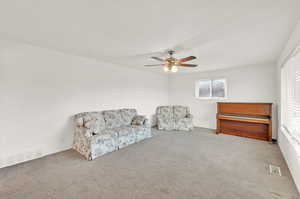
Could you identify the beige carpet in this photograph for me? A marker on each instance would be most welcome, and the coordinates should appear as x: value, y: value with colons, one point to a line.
x: 173, y: 165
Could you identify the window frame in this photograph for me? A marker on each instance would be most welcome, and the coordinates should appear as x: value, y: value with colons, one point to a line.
x: 284, y: 99
x: 211, y: 83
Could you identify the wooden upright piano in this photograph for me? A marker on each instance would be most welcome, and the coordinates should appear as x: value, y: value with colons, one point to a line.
x: 252, y: 120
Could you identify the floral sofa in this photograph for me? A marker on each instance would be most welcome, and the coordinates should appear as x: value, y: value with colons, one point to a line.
x: 174, y: 118
x: 97, y: 133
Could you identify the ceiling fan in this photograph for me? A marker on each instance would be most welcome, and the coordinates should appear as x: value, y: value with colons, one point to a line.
x: 171, y: 63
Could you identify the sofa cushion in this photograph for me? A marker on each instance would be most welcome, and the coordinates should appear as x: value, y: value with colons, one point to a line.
x: 141, y: 132
x: 113, y: 119
x: 94, y: 126
x: 127, y: 115
x: 124, y: 131
x: 98, y: 138
x: 180, y: 112
x: 126, y: 136
x: 101, y: 144
x: 112, y: 132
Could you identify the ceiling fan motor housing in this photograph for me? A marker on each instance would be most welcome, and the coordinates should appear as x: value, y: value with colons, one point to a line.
x: 171, y: 52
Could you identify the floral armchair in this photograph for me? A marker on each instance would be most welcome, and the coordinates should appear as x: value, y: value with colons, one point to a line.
x: 174, y: 118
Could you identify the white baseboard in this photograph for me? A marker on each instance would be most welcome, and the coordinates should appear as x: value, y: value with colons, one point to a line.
x: 29, y: 155
x: 291, y: 155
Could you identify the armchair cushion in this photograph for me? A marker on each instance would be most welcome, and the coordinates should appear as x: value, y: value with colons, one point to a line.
x: 184, y: 124
x: 165, y: 112
x: 165, y: 123
x: 165, y: 120
x: 180, y: 112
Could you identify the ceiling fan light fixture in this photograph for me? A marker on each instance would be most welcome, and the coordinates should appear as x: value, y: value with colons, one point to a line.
x: 174, y: 69
x: 166, y: 69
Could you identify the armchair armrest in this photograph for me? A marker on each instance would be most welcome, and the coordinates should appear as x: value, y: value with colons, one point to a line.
x: 185, y: 124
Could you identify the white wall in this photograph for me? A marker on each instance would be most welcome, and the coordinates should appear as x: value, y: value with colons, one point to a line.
x: 41, y: 89
x: 245, y: 84
x: 288, y: 148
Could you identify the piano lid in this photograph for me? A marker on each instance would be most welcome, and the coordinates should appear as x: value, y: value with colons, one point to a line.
x: 247, y: 109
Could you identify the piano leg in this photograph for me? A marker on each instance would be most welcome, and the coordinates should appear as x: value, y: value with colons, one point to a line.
x: 218, y: 126
x: 270, y: 131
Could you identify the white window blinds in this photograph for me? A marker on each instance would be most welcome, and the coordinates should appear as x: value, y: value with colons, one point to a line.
x: 290, y: 96
x: 211, y: 89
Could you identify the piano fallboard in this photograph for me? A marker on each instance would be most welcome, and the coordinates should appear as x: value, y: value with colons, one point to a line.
x: 244, y: 118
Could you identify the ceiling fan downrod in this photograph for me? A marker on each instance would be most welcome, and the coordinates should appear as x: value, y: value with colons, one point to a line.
x: 171, y: 52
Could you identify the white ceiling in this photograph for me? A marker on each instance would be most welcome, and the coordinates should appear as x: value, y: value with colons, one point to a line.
x: 221, y: 34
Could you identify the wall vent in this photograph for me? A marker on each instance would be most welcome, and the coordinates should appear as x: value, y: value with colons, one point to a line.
x: 274, y: 170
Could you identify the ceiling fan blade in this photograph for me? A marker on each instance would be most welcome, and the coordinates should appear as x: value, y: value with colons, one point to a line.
x: 187, y: 65
x: 158, y: 59
x: 154, y: 65
x: 187, y: 59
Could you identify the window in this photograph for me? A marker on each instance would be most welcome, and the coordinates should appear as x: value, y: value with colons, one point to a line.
x: 211, y: 89
x: 290, y: 96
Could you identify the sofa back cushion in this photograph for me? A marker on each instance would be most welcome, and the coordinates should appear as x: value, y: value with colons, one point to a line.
x: 180, y: 112
x: 91, y: 120
x: 113, y: 119
x: 127, y: 115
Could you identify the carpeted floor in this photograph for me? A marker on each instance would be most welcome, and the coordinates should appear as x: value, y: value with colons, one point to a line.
x: 171, y: 165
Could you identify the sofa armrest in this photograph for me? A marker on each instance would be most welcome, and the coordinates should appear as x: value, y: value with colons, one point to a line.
x: 147, y: 123
x: 85, y: 132
x: 140, y: 120
x: 82, y: 141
